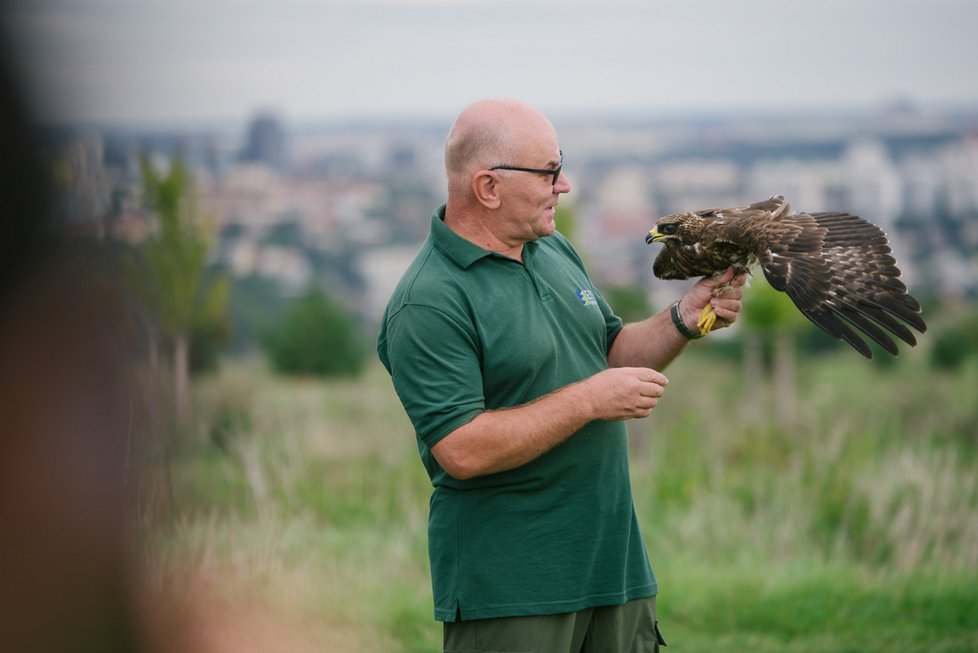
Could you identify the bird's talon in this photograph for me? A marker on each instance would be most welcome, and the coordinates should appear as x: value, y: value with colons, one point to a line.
x: 707, y: 319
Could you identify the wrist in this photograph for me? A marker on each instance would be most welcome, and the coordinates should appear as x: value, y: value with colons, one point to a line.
x: 580, y: 401
x: 680, y: 323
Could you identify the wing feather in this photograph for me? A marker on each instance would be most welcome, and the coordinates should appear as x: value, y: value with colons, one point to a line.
x: 875, y: 312
x: 664, y: 266
x: 856, y: 317
x: 838, y: 270
x: 827, y: 320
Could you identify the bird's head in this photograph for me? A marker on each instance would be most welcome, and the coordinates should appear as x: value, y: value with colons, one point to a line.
x: 672, y: 227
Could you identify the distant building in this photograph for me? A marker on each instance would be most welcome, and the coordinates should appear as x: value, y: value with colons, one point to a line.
x: 381, y: 269
x: 84, y: 186
x: 359, y: 196
x: 265, y: 142
x: 874, y: 189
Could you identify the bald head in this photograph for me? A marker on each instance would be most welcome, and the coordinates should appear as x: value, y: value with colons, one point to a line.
x: 487, y: 133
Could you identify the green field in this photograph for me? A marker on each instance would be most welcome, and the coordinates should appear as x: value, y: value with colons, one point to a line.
x: 851, y: 525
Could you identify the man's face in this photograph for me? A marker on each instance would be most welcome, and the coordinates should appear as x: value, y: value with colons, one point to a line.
x: 530, y: 198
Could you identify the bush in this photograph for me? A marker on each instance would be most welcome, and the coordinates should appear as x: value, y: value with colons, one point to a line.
x: 206, y: 341
x: 956, y: 342
x: 629, y: 302
x: 315, y: 336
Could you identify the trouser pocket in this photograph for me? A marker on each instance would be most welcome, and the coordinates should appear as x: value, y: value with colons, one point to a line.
x: 659, y: 639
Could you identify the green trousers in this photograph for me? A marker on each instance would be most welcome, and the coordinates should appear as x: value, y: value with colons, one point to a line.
x: 628, y: 628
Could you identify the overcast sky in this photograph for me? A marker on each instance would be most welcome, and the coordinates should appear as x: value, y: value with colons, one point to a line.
x: 177, y: 61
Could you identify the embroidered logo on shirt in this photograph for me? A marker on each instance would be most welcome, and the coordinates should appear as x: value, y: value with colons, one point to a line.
x: 586, y: 297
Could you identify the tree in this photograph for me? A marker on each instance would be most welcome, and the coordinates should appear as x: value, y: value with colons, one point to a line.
x: 315, y: 336
x: 568, y: 223
x: 630, y: 303
x: 770, y: 316
x: 169, y: 275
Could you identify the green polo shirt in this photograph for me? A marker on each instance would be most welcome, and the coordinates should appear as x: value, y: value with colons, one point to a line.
x: 468, y: 330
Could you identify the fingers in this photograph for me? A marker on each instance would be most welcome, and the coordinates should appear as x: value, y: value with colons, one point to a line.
x: 652, y: 385
x: 641, y: 407
x: 739, y: 281
x: 729, y: 279
x: 629, y: 392
x: 649, y: 375
x: 730, y: 292
x: 653, y: 390
x: 731, y: 303
x: 648, y: 382
x: 727, y: 304
x: 702, y: 291
x: 726, y: 312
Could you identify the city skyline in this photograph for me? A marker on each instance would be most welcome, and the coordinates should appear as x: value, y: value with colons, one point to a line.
x: 177, y: 62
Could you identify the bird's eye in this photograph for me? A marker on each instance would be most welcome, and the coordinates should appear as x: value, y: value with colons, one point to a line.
x: 668, y: 229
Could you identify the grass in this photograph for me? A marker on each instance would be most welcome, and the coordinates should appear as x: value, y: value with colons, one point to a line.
x: 851, y: 527
x: 821, y: 607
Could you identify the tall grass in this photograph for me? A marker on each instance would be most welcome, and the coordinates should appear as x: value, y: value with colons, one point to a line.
x: 853, y: 528
x: 878, y: 468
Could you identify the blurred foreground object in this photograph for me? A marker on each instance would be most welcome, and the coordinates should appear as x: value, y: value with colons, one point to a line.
x: 835, y: 267
x: 65, y: 420
x: 63, y: 466
x: 75, y: 418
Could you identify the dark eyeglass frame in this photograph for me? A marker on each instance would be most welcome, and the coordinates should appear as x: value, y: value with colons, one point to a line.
x: 555, y: 171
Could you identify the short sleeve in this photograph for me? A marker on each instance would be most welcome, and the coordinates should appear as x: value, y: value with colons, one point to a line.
x: 612, y: 322
x: 435, y: 367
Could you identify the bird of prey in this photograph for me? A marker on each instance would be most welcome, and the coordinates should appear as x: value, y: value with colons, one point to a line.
x: 837, y: 268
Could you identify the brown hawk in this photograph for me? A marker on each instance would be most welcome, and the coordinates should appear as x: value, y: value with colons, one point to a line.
x: 836, y: 267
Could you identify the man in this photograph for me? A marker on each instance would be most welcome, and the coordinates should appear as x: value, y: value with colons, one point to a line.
x: 517, y: 375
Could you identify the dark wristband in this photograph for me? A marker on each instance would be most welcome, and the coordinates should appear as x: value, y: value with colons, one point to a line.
x: 681, y: 326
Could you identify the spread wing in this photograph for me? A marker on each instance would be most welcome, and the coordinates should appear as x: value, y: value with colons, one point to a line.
x: 838, y: 270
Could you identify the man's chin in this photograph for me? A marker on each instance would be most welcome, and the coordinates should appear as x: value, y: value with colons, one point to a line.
x: 547, y: 228
x: 550, y: 221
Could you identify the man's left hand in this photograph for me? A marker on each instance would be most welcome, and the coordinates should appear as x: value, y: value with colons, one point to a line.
x: 726, y: 304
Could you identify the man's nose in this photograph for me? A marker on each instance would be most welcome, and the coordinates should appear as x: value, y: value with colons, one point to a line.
x: 562, y: 185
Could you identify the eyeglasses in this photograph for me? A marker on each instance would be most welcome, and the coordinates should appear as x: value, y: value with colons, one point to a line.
x: 555, y: 172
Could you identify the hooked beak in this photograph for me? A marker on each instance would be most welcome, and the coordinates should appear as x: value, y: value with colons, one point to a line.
x: 654, y: 237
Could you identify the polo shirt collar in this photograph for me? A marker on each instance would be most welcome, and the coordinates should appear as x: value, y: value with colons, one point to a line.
x: 460, y: 251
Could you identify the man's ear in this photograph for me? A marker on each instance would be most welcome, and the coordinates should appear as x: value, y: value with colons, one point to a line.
x: 486, y: 189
